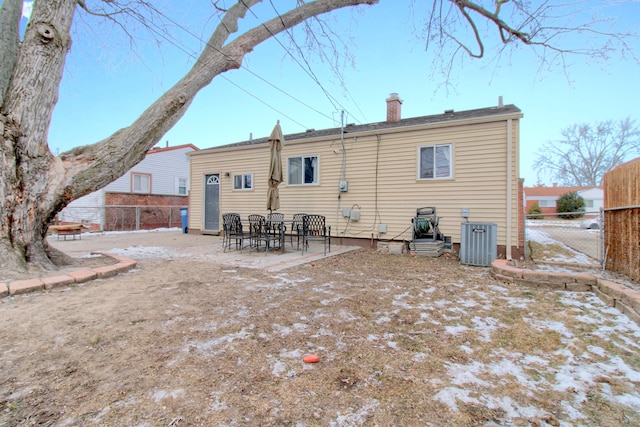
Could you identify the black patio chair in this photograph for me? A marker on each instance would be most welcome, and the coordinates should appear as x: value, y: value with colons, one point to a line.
x: 256, y: 229
x: 275, y: 216
x: 232, y: 231
x: 296, y: 229
x: 314, y: 229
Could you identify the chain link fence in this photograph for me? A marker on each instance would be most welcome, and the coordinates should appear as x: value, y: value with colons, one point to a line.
x: 579, y: 240
x: 123, y: 217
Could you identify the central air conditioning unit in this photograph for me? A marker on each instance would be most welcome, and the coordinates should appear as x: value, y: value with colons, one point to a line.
x: 478, y: 243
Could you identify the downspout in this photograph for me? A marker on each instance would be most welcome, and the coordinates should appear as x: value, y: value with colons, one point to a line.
x: 509, y: 184
x: 344, y: 169
x: 344, y: 152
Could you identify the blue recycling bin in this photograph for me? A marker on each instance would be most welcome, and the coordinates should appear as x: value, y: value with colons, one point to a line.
x: 184, y: 215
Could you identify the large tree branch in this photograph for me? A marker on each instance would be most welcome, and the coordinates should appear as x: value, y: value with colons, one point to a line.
x: 455, y: 27
x: 91, y: 167
x: 494, y: 17
x: 461, y: 6
x: 229, y: 23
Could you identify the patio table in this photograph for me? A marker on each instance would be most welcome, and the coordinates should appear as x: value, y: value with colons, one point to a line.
x: 279, y: 225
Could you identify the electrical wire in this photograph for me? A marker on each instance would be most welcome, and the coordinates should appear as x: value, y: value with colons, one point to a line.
x: 198, y: 38
x: 306, y: 69
x: 335, y: 69
x: 155, y: 29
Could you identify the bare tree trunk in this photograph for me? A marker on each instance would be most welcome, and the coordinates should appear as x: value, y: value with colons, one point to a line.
x: 35, y: 185
x: 29, y: 171
x: 10, y: 14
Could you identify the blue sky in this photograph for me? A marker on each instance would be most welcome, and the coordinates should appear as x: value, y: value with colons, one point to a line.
x: 107, y: 85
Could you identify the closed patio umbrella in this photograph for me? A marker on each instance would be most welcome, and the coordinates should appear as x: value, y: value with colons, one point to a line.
x: 276, y: 141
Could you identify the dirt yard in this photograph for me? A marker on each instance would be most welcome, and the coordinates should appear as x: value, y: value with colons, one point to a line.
x: 195, y: 337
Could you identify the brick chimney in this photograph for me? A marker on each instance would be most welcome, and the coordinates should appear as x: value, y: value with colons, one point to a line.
x: 394, y: 105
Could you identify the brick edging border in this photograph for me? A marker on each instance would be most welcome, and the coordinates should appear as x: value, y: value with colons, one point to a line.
x: 614, y: 294
x: 18, y: 287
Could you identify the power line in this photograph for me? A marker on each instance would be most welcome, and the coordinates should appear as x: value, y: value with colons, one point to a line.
x: 197, y: 37
x: 195, y: 56
x: 335, y: 69
x: 265, y: 103
x: 307, y: 69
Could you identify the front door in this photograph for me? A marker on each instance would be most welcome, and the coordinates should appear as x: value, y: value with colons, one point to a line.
x: 212, y: 202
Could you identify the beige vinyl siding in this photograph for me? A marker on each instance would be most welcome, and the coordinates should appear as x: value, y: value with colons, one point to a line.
x: 311, y: 198
x: 479, y: 180
x: 196, y: 178
x: 247, y: 160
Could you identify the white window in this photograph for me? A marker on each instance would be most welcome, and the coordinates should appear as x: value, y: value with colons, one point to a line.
x: 181, y: 186
x: 140, y: 183
x: 302, y: 170
x: 588, y: 203
x: 435, y: 161
x: 545, y: 203
x: 243, y: 181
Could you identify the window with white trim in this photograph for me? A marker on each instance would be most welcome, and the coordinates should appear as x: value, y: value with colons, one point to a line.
x: 181, y: 184
x: 302, y: 170
x: 140, y: 183
x: 546, y: 203
x: 435, y: 161
x: 243, y: 181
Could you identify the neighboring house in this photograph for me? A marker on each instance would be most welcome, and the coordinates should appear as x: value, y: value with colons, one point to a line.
x: 159, y: 183
x: 547, y: 197
x: 369, y: 180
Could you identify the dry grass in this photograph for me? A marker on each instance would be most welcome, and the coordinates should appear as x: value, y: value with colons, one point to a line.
x: 401, y: 340
x: 541, y: 251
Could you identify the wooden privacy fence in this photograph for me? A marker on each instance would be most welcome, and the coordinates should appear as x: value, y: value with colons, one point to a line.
x: 622, y: 219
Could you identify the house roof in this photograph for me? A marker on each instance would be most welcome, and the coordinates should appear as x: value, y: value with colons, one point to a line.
x: 552, y: 191
x: 447, y: 116
x: 175, y: 147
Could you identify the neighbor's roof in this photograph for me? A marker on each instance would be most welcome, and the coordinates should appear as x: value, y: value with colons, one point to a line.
x: 447, y: 116
x: 175, y: 147
x: 552, y: 191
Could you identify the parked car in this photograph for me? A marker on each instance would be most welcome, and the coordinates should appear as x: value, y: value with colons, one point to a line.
x: 594, y: 223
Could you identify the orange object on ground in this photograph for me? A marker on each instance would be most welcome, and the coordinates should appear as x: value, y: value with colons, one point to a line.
x: 312, y: 358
